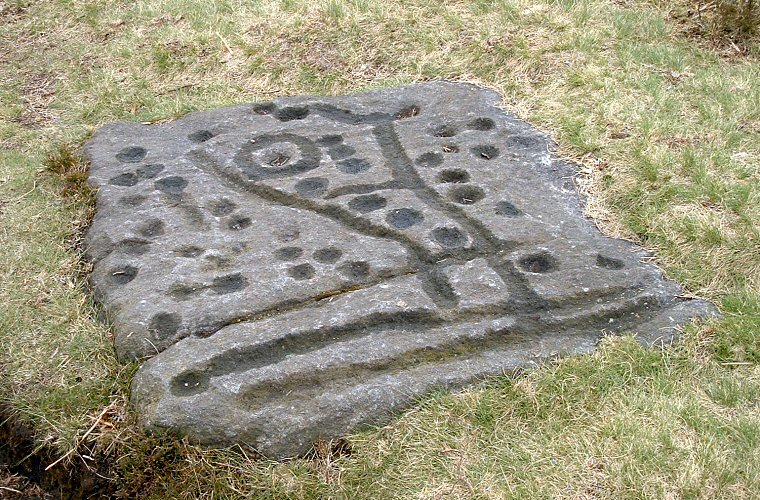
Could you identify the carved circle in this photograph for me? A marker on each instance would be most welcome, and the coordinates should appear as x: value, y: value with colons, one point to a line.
x: 481, y: 124
x: 353, y: 165
x: 341, y: 151
x: 126, y: 180
x: 255, y: 168
x: 609, y: 262
x: 485, y: 151
x: 454, y: 175
x: 356, y: 270
x: 429, y: 160
x: 445, y: 130
x: 131, y: 154
x: 173, y: 184
x: 165, y: 325
x: 123, y: 274
x: 239, y: 222
x: 539, y: 263
x: 449, y: 237
x: 222, y: 285
x: 302, y: 272
x: 507, y: 209
x: 466, y: 195
x: 291, y: 113
x: 200, y: 136
x: 189, y: 251
x: 263, y: 108
x: 221, y: 207
x: 288, y: 253
x: 313, y: 187
x: 408, y: 112
x: 328, y: 255
x: 403, y: 218
x: 367, y: 203
x: 151, y: 228
x: 133, y: 246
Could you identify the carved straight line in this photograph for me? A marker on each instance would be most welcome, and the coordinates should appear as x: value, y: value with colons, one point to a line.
x: 308, y: 384
x: 341, y: 115
x: 197, y: 380
x: 434, y: 283
x: 293, y: 305
x: 420, y: 257
x: 492, y: 246
x: 275, y: 350
x: 302, y: 385
x: 363, y: 189
x: 333, y: 212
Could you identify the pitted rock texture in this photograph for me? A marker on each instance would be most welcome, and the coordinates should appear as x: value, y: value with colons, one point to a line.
x: 302, y: 267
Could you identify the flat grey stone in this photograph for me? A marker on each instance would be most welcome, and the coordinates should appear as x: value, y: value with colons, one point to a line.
x: 303, y: 267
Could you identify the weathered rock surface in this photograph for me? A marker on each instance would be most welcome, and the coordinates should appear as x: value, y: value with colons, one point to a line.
x: 303, y: 267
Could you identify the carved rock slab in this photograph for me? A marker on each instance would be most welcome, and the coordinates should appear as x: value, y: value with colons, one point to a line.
x: 301, y: 267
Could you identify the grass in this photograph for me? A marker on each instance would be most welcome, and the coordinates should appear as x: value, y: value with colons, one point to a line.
x: 666, y: 132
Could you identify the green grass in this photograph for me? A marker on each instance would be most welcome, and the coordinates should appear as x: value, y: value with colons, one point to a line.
x: 666, y: 131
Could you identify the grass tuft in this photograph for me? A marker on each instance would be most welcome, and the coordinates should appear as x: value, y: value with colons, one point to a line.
x: 733, y: 26
x: 71, y: 169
